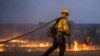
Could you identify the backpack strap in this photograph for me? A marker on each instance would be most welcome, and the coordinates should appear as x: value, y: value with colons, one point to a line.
x: 57, y: 20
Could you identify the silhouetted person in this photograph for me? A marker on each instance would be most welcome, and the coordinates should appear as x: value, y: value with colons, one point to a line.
x: 60, y: 29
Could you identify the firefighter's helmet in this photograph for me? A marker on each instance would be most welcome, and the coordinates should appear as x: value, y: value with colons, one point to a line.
x: 65, y: 11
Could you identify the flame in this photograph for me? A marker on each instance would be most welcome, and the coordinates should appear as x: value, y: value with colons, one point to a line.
x: 44, y: 44
x: 40, y: 46
x: 2, y: 49
x: 76, y: 46
x: 36, y: 44
x: 18, y: 41
x: 82, y: 47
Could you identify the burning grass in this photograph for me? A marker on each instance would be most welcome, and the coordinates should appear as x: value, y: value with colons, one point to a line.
x: 41, y: 46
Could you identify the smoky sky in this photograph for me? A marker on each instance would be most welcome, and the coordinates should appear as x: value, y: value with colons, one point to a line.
x: 34, y: 11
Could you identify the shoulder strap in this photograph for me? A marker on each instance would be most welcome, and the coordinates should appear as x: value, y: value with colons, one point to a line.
x: 58, y: 20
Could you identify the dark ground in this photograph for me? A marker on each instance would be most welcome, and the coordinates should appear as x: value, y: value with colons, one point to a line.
x: 82, y: 53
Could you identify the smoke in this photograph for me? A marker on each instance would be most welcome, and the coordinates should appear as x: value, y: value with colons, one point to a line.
x: 31, y: 11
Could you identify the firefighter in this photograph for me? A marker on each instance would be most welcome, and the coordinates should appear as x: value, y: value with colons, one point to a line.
x: 62, y: 28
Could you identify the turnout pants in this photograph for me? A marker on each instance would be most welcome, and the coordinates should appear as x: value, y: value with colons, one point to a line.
x: 58, y: 42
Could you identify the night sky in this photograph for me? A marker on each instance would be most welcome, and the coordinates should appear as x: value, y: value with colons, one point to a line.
x: 34, y: 11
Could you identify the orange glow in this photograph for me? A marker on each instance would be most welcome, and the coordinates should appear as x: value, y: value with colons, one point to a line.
x: 82, y: 47
x: 76, y: 46
x: 19, y: 41
x: 29, y: 50
x: 2, y: 48
x: 41, y: 46
x: 36, y: 44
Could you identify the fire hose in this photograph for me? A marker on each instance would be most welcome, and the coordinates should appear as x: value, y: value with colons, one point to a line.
x: 28, y: 32
x: 33, y: 30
